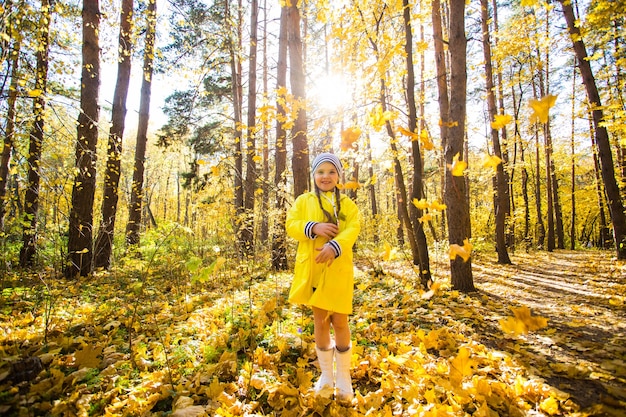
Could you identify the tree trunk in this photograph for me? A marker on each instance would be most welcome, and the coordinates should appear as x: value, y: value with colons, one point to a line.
x: 137, y: 191
x: 300, y: 161
x: 265, y: 196
x: 31, y: 199
x: 279, y: 247
x: 247, y: 231
x: 418, y: 168
x: 572, y: 229
x: 616, y: 205
x: 371, y: 188
x: 237, y: 97
x: 9, y: 130
x: 79, y: 245
x: 455, y: 193
x: 502, y: 199
x: 104, y: 242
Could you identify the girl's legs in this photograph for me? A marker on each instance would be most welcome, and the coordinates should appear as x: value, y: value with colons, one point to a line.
x: 342, y: 331
x: 321, y: 321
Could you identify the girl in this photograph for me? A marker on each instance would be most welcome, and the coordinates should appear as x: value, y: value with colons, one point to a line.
x: 326, y: 225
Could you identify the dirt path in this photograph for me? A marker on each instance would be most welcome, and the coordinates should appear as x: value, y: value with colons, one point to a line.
x: 583, y: 351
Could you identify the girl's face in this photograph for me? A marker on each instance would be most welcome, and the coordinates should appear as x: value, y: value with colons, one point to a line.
x: 326, y: 176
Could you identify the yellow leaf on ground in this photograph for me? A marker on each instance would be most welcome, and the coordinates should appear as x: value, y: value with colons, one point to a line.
x: 460, y: 367
x: 87, y: 357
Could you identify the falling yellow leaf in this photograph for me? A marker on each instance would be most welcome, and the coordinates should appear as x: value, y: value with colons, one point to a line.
x: 436, y: 205
x: 420, y: 204
x: 458, y: 167
x: 406, y: 132
x: 523, y: 322
x: 500, y: 121
x: 492, y: 161
x: 427, y: 143
x: 389, y: 252
x: 257, y: 158
x: 348, y: 137
x: 377, y: 118
x: 350, y: 185
x: 448, y: 124
x: 529, y: 3
x: 464, y: 251
x: 541, y: 108
x: 425, y: 218
x: 35, y: 93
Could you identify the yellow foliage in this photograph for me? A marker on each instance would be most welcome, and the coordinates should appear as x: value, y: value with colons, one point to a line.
x: 420, y: 204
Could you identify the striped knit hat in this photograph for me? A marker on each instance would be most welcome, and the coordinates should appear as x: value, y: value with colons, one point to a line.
x: 327, y: 157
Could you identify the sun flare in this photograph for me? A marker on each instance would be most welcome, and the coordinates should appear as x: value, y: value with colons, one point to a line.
x: 330, y: 92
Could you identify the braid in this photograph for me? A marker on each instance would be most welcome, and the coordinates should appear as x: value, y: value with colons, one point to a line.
x: 338, y: 198
x: 329, y: 216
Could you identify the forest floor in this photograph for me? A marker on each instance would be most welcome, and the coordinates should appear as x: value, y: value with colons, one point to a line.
x: 543, y: 336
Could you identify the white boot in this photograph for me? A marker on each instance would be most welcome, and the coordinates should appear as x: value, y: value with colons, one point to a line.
x: 325, y: 384
x: 343, y: 383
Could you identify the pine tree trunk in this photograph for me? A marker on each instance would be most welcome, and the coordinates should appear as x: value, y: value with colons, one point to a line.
x: 31, y: 198
x: 616, y: 205
x: 104, y: 242
x: 502, y: 199
x: 455, y: 193
x: 247, y: 231
x: 9, y: 129
x: 279, y: 245
x: 300, y: 161
x: 237, y: 97
x: 137, y: 191
x: 418, y: 169
x: 79, y: 247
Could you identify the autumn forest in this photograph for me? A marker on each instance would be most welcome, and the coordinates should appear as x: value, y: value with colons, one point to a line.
x: 151, y: 150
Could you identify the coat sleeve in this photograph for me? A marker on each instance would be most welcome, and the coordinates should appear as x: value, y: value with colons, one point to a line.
x: 297, y: 224
x: 348, y: 234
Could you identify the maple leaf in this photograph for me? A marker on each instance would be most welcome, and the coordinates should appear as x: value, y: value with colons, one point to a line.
x: 500, y: 121
x: 425, y: 218
x: 464, y: 251
x: 389, y: 253
x: 529, y: 3
x: 492, y: 161
x: 348, y: 137
x: 420, y: 204
x: 541, y: 108
x: 349, y: 185
x: 458, y: 167
x: 406, y: 132
x: 436, y: 205
x: 460, y: 367
x: 523, y: 322
x: 87, y: 357
x: 426, y: 141
x: 377, y: 118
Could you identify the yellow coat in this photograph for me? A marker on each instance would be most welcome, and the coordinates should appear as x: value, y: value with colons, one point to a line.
x: 333, y: 284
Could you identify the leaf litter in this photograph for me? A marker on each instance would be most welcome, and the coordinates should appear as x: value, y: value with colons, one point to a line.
x: 544, y: 336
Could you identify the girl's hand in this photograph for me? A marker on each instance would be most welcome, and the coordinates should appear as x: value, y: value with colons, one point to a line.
x: 327, y: 230
x: 326, y: 254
